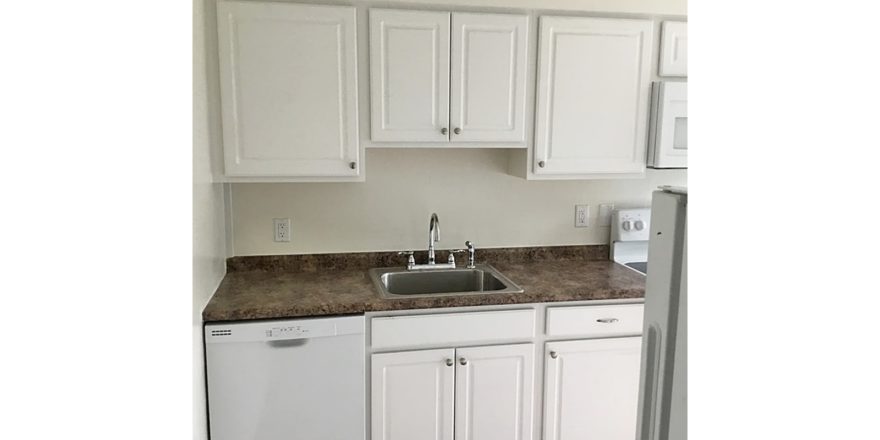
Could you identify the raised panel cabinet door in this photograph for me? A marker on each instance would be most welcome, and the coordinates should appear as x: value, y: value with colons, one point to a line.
x: 288, y: 83
x: 673, y: 48
x: 592, y: 97
x: 412, y: 395
x: 409, y: 75
x: 488, y: 77
x: 494, y: 392
x: 591, y: 389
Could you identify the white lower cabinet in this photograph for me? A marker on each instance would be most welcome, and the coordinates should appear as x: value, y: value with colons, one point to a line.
x: 591, y: 389
x: 487, y: 391
x: 494, y: 392
x: 412, y: 395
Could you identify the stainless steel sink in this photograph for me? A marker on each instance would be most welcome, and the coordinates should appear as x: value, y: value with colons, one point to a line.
x: 397, y: 282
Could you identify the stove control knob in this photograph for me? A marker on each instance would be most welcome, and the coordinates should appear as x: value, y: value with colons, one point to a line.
x: 639, y: 225
x: 627, y: 225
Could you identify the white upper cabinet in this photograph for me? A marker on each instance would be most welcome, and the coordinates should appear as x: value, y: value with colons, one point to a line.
x: 591, y: 389
x: 447, y: 77
x: 488, y: 77
x: 592, y: 97
x: 668, y: 143
x: 412, y: 395
x: 288, y: 79
x: 494, y: 392
x: 409, y: 75
x: 673, y: 48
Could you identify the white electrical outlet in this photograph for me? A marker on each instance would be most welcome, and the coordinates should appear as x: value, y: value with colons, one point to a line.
x: 581, y: 216
x: 282, y: 229
x: 605, y: 210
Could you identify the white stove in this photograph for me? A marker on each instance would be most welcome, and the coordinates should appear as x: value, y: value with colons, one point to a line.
x: 630, y: 233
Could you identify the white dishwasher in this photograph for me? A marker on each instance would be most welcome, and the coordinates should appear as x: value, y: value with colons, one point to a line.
x: 292, y: 379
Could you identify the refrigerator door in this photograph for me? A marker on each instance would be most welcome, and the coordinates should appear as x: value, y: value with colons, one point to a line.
x: 663, y: 389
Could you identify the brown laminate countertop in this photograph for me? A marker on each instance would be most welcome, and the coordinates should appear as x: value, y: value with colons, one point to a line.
x: 263, y: 294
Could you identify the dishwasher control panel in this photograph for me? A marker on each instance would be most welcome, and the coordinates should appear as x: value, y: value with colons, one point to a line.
x: 282, y: 330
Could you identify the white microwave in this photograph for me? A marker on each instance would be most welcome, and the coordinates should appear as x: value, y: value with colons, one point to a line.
x: 667, y: 140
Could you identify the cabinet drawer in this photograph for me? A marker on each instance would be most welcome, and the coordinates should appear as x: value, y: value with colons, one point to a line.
x: 449, y: 329
x: 595, y: 321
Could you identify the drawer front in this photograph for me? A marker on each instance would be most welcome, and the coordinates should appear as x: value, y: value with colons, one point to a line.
x: 451, y: 329
x: 595, y: 321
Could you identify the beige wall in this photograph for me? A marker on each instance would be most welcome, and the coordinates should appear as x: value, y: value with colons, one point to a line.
x: 209, y: 214
x: 471, y: 191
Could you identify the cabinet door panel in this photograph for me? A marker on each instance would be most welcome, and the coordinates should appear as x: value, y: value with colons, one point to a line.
x: 591, y: 389
x: 673, y: 49
x: 488, y: 77
x: 494, y: 392
x: 412, y: 395
x: 593, y: 93
x: 409, y: 69
x: 288, y: 87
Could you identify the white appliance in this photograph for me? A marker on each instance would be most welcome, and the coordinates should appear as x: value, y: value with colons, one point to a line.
x: 298, y: 379
x: 630, y: 229
x: 663, y: 389
x: 667, y: 139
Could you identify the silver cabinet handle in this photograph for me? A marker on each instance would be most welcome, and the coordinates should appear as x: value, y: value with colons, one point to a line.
x: 541, y: 164
x: 554, y: 355
x: 607, y: 320
x: 449, y: 362
x: 457, y: 130
x: 462, y: 361
x: 443, y: 131
x: 353, y: 165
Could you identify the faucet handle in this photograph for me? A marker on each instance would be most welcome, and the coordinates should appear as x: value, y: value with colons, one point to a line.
x: 451, y: 258
x: 471, y: 257
x: 410, y: 261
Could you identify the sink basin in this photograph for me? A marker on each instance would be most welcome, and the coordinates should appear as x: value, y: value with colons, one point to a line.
x: 396, y: 282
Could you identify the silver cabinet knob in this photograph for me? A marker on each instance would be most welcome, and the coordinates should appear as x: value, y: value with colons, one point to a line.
x: 462, y: 361
x: 541, y: 164
x: 353, y: 165
x: 449, y: 362
x: 457, y: 130
x: 554, y: 355
x: 443, y: 130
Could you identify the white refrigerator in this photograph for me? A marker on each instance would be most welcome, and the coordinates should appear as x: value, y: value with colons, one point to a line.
x: 663, y: 388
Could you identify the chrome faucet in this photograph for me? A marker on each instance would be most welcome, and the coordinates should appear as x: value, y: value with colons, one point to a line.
x: 433, y: 237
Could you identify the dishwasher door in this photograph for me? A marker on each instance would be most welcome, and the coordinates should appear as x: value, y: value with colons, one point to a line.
x: 291, y: 380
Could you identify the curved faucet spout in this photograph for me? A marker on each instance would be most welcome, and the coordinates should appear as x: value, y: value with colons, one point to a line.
x: 433, y: 236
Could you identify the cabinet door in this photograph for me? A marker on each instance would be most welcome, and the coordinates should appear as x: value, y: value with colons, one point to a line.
x: 289, y: 89
x: 409, y: 75
x: 591, y: 389
x: 494, y: 392
x: 593, y: 93
x: 673, y: 49
x: 488, y: 77
x: 412, y: 395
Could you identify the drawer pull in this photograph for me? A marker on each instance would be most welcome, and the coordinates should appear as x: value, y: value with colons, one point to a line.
x: 449, y: 362
x: 462, y: 361
x: 607, y: 320
x: 553, y: 354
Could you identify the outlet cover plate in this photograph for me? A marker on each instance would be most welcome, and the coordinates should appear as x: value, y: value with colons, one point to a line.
x: 282, y: 229
x: 581, y: 216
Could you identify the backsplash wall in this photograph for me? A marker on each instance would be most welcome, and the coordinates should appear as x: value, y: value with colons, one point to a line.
x: 470, y: 190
